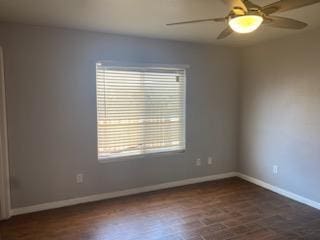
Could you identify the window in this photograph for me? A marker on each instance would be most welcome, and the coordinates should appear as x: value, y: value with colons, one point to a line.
x: 140, y: 110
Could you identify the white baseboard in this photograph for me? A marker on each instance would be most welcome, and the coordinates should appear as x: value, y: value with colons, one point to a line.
x: 280, y: 191
x: 97, y: 197
x: 103, y: 196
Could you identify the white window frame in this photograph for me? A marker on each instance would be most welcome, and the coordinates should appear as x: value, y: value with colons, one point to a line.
x: 151, y: 66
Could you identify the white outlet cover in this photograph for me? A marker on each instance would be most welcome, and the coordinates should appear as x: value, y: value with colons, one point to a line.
x: 275, y: 169
x: 210, y: 160
x: 79, y: 178
x: 198, y: 162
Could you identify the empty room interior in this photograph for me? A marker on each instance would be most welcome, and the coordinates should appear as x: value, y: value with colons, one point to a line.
x: 160, y: 120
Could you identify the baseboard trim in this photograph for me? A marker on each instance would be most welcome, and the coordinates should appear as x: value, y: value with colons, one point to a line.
x: 104, y: 196
x: 98, y: 197
x: 280, y: 191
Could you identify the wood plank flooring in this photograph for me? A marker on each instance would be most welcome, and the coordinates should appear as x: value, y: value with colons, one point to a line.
x: 219, y: 210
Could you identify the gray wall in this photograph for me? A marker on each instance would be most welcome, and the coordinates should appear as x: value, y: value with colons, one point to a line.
x: 50, y: 84
x: 280, y: 113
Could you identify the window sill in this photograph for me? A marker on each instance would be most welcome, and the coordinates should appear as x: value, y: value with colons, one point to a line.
x: 141, y: 156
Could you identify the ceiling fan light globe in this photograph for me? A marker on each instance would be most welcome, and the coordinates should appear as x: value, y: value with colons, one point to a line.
x: 246, y: 23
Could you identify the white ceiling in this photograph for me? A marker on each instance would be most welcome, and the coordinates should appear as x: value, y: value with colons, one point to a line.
x: 146, y: 18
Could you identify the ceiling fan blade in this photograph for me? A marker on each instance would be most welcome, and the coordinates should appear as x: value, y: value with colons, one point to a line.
x: 222, y: 19
x: 281, y: 22
x: 198, y: 21
x: 225, y: 33
x: 234, y: 4
x: 285, y: 5
x: 250, y: 4
x: 270, y: 10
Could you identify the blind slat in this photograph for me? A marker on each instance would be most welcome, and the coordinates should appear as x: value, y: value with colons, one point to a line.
x: 139, y: 110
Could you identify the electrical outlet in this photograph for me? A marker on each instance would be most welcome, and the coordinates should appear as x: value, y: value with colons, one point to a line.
x: 210, y: 161
x: 198, y: 162
x: 79, y: 178
x: 275, y: 169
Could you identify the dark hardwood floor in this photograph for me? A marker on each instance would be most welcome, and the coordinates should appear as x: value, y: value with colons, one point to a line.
x: 219, y: 210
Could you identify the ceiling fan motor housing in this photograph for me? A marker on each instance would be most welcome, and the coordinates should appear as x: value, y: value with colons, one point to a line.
x: 238, y: 11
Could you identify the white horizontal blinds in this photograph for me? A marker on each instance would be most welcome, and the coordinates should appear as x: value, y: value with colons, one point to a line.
x: 140, y: 110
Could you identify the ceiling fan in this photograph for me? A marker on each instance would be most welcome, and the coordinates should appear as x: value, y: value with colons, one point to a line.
x: 246, y: 16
